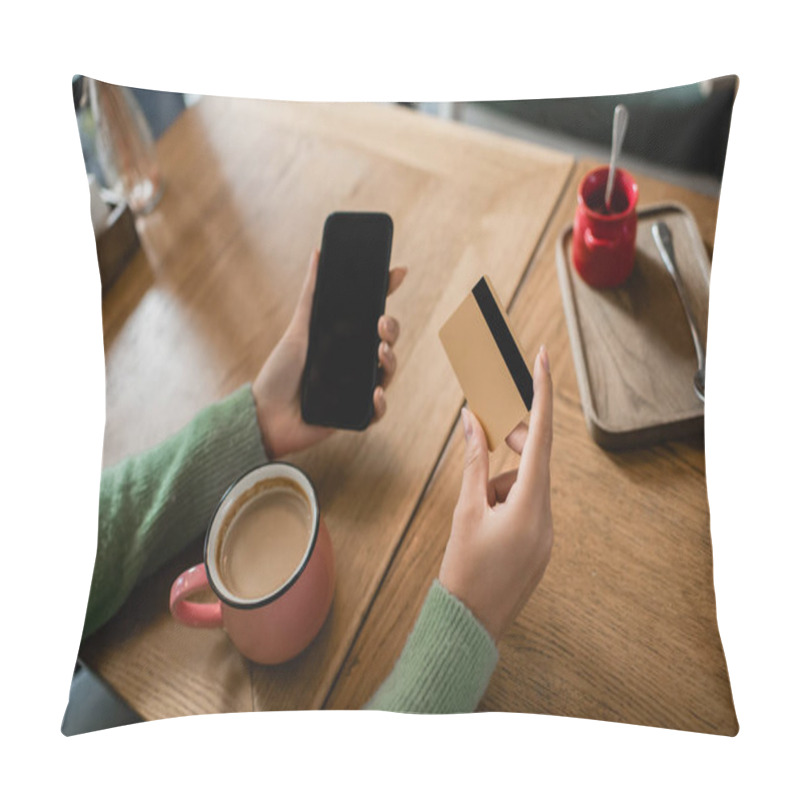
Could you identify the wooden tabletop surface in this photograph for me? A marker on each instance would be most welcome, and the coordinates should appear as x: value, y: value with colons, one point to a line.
x: 623, y: 625
x: 194, y: 315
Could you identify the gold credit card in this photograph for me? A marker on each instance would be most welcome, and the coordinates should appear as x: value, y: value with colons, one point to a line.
x: 488, y: 362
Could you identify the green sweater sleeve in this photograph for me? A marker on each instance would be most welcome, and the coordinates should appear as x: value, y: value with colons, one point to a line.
x: 153, y: 504
x: 446, y: 663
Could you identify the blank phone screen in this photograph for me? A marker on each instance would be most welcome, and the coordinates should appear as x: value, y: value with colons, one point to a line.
x: 342, y: 362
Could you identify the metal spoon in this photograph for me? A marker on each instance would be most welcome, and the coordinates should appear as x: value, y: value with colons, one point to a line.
x: 663, y: 239
x: 617, y: 137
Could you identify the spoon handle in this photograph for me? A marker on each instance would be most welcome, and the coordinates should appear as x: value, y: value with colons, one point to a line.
x: 617, y: 136
x: 663, y: 239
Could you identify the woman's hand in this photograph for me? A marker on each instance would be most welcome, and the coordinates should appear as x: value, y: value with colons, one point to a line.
x: 502, y: 529
x: 276, y: 389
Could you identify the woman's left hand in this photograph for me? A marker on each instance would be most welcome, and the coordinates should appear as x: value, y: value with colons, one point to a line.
x: 276, y: 389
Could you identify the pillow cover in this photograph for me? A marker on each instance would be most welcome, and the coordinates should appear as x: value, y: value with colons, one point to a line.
x: 204, y: 226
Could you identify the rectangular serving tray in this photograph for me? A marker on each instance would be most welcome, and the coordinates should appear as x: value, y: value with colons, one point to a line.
x: 632, y: 348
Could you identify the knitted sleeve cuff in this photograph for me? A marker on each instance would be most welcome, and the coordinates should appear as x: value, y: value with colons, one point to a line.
x: 154, y: 503
x: 446, y: 663
x: 191, y: 472
x: 198, y: 464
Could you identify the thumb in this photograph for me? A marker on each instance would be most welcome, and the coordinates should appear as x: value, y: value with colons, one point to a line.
x: 474, y: 484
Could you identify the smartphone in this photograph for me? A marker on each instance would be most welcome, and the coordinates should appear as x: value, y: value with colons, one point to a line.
x: 341, y: 370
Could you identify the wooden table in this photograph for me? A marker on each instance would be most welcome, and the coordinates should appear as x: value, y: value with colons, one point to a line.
x: 248, y: 187
x: 623, y: 626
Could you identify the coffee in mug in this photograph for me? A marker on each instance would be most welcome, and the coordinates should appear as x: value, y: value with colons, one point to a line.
x: 269, y: 560
x: 265, y: 539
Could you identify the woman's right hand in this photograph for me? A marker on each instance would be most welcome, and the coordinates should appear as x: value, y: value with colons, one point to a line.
x: 502, y: 531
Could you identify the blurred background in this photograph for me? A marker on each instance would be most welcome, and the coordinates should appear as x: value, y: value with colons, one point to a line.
x: 678, y: 134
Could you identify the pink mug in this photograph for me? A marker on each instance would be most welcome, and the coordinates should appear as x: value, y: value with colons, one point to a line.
x: 276, y: 624
x: 604, y: 242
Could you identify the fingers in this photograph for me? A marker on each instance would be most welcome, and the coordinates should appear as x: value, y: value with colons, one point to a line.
x: 474, y: 484
x: 396, y: 277
x: 516, y: 439
x: 388, y: 329
x: 388, y: 361
x: 535, y: 460
x: 302, y: 312
x: 379, y: 403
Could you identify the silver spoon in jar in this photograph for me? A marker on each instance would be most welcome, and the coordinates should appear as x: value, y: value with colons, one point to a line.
x: 663, y: 240
x: 617, y: 137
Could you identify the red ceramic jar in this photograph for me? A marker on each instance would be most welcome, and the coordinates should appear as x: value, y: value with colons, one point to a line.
x: 604, y: 244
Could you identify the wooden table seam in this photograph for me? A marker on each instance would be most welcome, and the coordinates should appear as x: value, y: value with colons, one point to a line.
x: 437, y: 463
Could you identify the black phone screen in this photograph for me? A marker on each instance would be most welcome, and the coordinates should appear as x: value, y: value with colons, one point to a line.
x: 342, y: 361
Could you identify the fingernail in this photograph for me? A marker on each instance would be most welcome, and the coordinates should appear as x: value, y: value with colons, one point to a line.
x: 467, y: 423
x: 545, y: 358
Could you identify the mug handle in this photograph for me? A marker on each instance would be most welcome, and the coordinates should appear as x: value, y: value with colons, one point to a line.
x: 196, y: 615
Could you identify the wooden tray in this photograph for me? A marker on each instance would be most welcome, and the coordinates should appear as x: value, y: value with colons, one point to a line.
x: 632, y: 347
